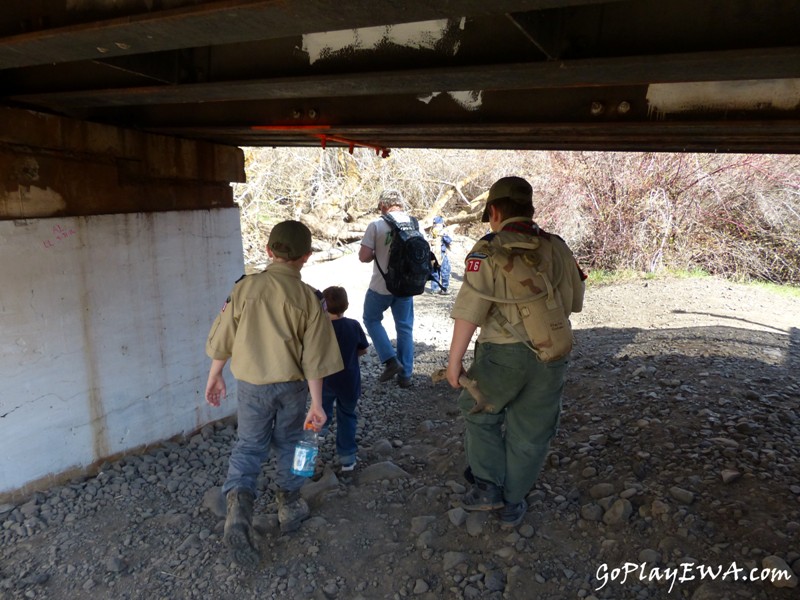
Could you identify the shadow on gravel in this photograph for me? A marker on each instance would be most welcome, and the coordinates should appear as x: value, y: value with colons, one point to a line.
x: 773, y: 349
x: 693, y: 432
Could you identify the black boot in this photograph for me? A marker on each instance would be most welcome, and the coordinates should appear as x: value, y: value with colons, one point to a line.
x: 511, y: 515
x: 392, y: 368
x: 483, y: 495
x: 239, y: 535
x: 292, y: 510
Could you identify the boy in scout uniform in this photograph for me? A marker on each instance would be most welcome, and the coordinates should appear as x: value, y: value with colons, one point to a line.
x: 281, y: 344
x: 520, y: 286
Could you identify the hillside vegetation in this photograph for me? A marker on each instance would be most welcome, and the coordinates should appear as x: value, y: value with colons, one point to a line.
x: 736, y: 216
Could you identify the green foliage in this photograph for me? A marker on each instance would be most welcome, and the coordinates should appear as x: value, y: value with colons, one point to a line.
x: 786, y: 290
x: 601, y: 277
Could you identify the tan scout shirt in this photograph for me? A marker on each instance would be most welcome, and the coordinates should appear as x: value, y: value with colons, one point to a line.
x: 481, y: 273
x: 274, y: 330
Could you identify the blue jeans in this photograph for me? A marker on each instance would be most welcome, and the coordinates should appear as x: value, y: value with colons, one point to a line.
x: 271, y: 414
x: 375, y: 305
x: 346, y: 421
x: 443, y: 273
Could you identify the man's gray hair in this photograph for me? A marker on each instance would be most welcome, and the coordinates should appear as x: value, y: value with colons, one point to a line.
x: 389, y: 198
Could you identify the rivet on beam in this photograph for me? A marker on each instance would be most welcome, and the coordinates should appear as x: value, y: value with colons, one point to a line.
x: 623, y: 108
x: 597, y: 108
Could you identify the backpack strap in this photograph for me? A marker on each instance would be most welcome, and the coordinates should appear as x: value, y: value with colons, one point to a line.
x: 395, y: 227
x: 391, y: 221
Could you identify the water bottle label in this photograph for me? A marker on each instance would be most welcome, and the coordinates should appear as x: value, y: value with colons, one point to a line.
x: 304, y: 461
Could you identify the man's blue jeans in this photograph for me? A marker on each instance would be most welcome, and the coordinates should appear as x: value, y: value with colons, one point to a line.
x: 375, y: 305
x: 271, y: 414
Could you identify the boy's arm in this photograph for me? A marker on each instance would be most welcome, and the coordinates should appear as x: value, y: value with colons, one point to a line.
x: 462, y: 334
x: 363, y: 344
x: 215, y: 387
x: 316, y: 414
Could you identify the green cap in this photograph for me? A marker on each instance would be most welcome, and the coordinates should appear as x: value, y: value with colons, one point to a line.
x: 290, y: 240
x: 515, y: 189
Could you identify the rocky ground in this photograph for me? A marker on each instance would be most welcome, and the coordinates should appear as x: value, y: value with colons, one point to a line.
x: 679, y: 443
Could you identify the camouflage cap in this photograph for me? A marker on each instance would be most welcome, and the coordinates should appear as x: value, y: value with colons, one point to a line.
x: 290, y: 240
x: 515, y: 189
x: 390, y: 198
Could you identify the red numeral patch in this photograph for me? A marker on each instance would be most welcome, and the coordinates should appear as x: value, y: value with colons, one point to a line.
x: 473, y: 265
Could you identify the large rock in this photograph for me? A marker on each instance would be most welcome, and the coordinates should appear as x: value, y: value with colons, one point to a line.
x: 619, y: 512
x: 380, y: 471
x: 783, y: 577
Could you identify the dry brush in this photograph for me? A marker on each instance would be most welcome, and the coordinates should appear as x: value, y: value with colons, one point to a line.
x: 733, y: 215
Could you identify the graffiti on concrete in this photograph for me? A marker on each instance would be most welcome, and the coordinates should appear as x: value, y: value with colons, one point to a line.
x: 59, y: 233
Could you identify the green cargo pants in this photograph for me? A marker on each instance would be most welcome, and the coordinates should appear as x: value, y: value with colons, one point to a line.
x: 508, y: 446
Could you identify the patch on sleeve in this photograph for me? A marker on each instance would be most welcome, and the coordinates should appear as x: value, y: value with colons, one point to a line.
x: 474, y: 265
x: 227, y: 301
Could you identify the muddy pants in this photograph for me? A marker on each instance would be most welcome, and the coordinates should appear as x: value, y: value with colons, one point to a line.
x: 508, y: 446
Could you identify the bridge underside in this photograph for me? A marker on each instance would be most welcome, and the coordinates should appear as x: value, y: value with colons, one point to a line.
x: 713, y: 75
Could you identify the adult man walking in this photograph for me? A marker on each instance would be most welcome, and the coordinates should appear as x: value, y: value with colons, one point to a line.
x: 375, y: 249
x: 520, y: 286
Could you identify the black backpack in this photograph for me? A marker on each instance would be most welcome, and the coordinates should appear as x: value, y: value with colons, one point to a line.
x: 411, y: 262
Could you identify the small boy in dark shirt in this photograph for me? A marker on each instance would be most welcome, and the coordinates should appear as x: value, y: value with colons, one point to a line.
x: 344, y: 388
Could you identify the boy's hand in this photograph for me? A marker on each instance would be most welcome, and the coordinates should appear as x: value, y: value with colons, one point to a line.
x: 317, y: 418
x: 454, y: 372
x: 215, y: 389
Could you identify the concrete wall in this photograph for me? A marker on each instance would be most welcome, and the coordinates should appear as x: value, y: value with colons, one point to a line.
x: 103, y: 321
x: 117, y: 249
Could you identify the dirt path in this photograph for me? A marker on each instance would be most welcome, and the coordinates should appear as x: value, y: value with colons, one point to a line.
x: 679, y: 442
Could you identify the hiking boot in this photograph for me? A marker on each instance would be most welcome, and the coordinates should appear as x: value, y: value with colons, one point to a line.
x: 483, y: 495
x: 292, y: 510
x: 238, y: 533
x: 511, y: 515
x: 392, y: 368
x: 468, y: 475
x: 404, y: 382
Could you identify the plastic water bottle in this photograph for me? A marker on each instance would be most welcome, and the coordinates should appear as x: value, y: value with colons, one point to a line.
x: 305, y: 453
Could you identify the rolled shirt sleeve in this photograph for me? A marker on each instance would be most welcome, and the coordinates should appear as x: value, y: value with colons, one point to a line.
x: 222, y: 334
x: 478, y: 275
x: 370, y: 236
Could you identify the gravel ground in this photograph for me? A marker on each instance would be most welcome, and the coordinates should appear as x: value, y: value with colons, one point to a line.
x: 679, y: 444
